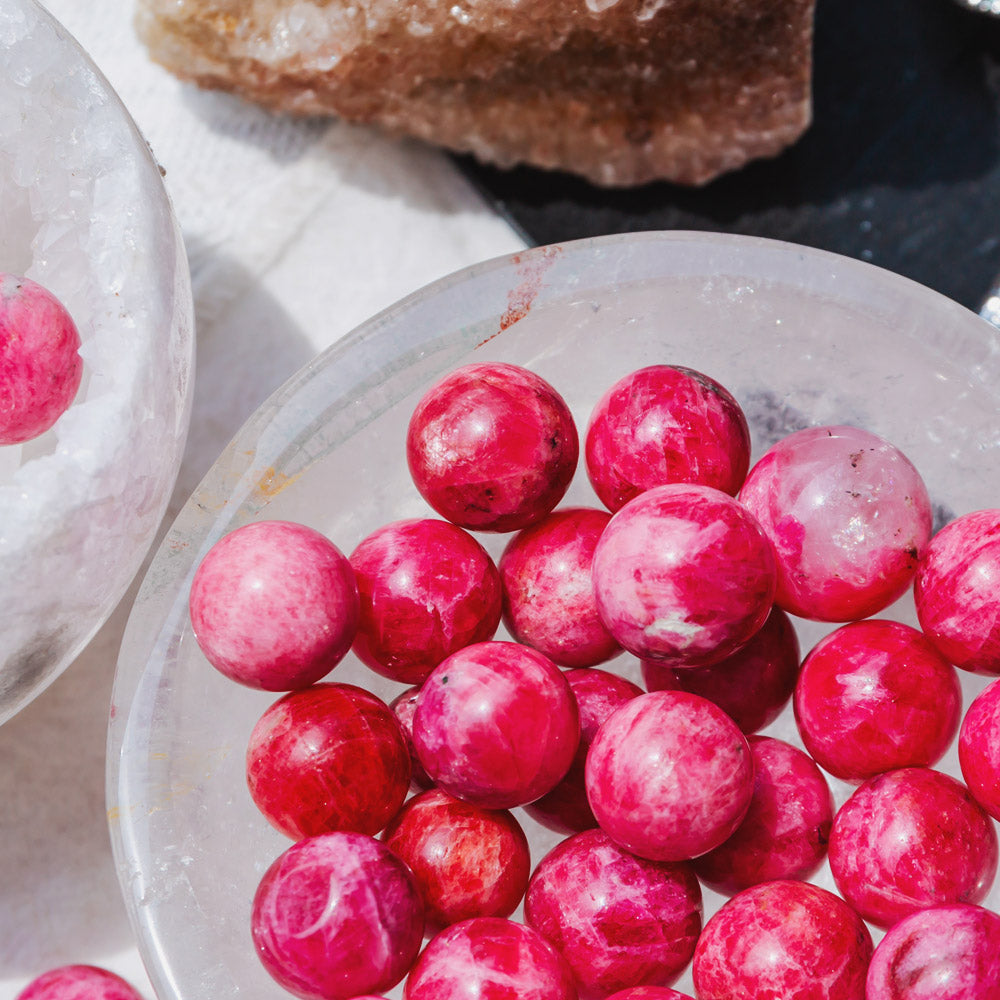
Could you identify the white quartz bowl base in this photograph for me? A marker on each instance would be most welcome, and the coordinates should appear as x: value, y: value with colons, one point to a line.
x: 83, y: 211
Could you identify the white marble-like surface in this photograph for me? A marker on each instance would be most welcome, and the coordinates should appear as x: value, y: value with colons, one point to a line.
x: 296, y: 231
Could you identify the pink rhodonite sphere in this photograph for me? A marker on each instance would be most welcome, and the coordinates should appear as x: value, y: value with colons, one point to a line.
x: 669, y: 776
x: 957, y: 591
x: 683, y: 574
x: 665, y: 424
x: 876, y: 695
x: 79, y: 982
x: 941, y: 953
x: 274, y: 605
x: 785, y: 832
x: 909, y: 839
x: 649, y: 993
x: 336, y: 916
x: 496, y: 724
x: 403, y: 706
x: 40, y: 364
x: 331, y: 757
x: 492, y: 447
x: 848, y: 515
x: 619, y: 920
x: 549, y: 592
x: 490, y: 958
x: 427, y: 588
x: 979, y: 748
x: 787, y: 939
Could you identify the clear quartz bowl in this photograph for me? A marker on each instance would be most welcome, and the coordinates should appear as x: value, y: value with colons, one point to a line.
x: 800, y: 336
x: 83, y: 211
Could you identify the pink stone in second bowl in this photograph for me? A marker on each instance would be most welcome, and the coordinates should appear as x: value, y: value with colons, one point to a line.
x: 79, y: 982
x: 979, y: 748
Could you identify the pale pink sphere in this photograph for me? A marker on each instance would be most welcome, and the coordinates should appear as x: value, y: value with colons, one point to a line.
x: 648, y: 993
x: 665, y: 424
x: 79, y: 982
x: 785, y: 832
x: 403, y: 706
x: 941, y: 953
x: 979, y: 748
x: 848, y: 515
x: 683, y: 574
x: 274, y: 605
x: 492, y: 447
x: 40, y: 364
x: 876, y: 695
x: 909, y: 839
x: 669, y: 776
x: 957, y: 591
x: 490, y: 958
x: 496, y: 724
x: 336, y: 916
x: 619, y: 920
x: 787, y: 939
x: 427, y: 588
x: 548, y: 591
x: 751, y: 686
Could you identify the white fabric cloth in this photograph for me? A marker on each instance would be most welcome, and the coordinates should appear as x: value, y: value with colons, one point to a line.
x: 296, y: 232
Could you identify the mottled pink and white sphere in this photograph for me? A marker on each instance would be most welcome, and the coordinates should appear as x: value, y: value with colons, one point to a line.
x: 427, y: 588
x: 330, y: 757
x: 876, y: 695
x: 910, y: 839
x: 79, y: 982
x: 941, y: 953
x: 403, y: 706
x: 787, y: 939
x: 751, y: 686
x: 490, y: 958
x: 649, y: 993
x: 548, y: 590
x: 496, y: 724
x: 598, y: 693
x: 785, y: 832
x: 669, y: 776
x: 492, y: 447
x: 665, y: 424
x: 468, y: 861
x: 979, y: 748
x: 957, y: 591
x: 336, y: 916
x: 848, y: 515
x: 40, y: 363
x: 683, y: 574
x: 619, y: 920
x: 274, y: 605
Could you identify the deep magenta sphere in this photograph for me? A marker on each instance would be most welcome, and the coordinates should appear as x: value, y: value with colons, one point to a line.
x: 548, y: 591
x: 336, y: 916
x: 787, y: 939
x: 490, y: 958
x: 909, y: 839
x: 331, y: 757
x: 598, y: 693
x: 979, y: 748
x: 848, y: 515
x: 941, y: 953
x: 492, y: 447
x: 669, y: 776
x: 274, y: 605
x: 957, y: 591
x: 40, y: 363
x: 496, y: 724
x: 619, y: 920
x: 683, y: 574
x: 468, y: 861
x: 79, y: 982
x: 876, y: 695
x: 665, y: 424
x: 785, y: 832
x: 403, y: 706
x: 752, y: 685
x: 427, y: 588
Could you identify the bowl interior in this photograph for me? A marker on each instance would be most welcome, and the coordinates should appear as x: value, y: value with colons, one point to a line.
x: 799, y: 336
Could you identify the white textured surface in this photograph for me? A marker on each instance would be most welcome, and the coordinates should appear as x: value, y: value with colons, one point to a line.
x: 296, y: 231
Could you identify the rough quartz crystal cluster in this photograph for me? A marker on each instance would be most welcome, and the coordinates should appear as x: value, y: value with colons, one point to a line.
x: 83, y: 211
x: 620, y: 91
